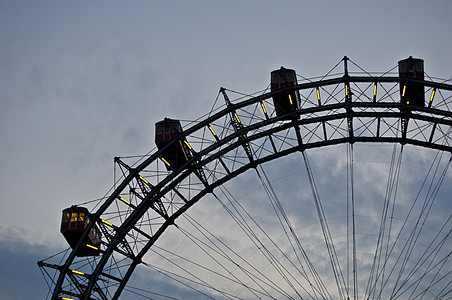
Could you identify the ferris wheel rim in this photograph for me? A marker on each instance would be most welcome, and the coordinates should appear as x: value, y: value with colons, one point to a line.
x: 184, y: 171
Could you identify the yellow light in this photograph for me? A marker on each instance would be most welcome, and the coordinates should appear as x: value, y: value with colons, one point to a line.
x: 404, y: 89
x: 346, y: 90
x: 211, y: 130
x: 318, y: 94
x: 290, y: 99
x: 66, y: 217
x: 92, y: 247
x: 375, y: 89
x: 124, y: 200
x: 188, y: 145
x: 147, y: 182
x: 408, y: 102
x: 166, y: 162
x: 78, y: 272
x: 108, y: 223
x: 263, y: 108
x: 67, y: 298
x: 237, y: 117
x: 433, y: 94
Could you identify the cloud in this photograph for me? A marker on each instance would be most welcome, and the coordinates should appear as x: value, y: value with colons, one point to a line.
x: 83, y: 83
x: 20, y: 277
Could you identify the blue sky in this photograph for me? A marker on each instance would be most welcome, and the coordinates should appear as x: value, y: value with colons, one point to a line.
x: 84, y: 81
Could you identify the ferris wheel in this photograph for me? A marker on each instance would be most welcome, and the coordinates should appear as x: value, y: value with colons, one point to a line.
x: 334, y: 187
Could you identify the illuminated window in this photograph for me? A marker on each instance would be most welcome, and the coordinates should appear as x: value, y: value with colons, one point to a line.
x: 74, y: 217
x: 66, y: 218
x: 81, y: 217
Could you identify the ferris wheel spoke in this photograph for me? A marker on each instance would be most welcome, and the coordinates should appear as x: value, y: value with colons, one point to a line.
x: 254, y: 230
x: 388, y: 219
x: 429, y: 254
x: 328, y: 239
x: 189, y: 268
x: 238, y: 262
x: 191, y: 281
x: 216, y: 245
x: 444, y: 292
x: 351, y: 213
x: 433, y: 282
x: 408, y: 247
x: 276, y: 204
x: 292, y: 237
x: 246, y: 222
x: 402, y: 249
x: 429, y: 270
x: 378, y: 266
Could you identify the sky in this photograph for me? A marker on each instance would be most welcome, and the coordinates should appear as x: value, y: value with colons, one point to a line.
x: 84, y: 81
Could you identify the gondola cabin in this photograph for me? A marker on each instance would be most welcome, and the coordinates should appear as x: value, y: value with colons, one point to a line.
x: 284, y: 102
x: 74, y: 221
x: 177, y: 153
x: 412, y: 93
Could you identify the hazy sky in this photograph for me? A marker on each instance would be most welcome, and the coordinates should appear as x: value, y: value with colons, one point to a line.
x: 84, y: 81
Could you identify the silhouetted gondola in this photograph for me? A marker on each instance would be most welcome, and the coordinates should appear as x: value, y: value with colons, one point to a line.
x: 284, y: 101
x: 75, y: 220
x: 412, y: 93
x: 175, y: 155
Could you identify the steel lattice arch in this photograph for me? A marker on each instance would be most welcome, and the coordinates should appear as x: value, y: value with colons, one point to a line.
x: 347, y: 108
